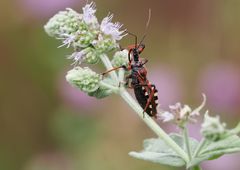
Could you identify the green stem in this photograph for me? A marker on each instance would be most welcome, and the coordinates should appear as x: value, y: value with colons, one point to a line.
x: 199, y: 148
x: 186, y: 142
x: 109, y: 66
x: 148, y: 120
x: 153, y: 125
x: 121, y: 75
x: 113, y: 88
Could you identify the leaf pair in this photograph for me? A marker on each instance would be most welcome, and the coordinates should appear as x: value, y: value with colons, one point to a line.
x: 155, y: 150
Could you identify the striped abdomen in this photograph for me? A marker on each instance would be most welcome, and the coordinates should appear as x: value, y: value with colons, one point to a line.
x: 142, y: 94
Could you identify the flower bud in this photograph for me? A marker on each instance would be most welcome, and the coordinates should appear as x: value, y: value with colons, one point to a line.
x: 120, y: 58
x: 105, y: 44
x: 83, y: 78
x: 84, y: 37
x: 88, y: 55
x: 212, y: 128
x: 63, y: 24
x: 103, y: 91
x: 91, y: 57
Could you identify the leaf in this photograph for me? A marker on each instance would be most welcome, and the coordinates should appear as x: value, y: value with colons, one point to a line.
x: 157, y: 151
x: 223, y: 146
x: 162, y: 158
x: 213, y: 150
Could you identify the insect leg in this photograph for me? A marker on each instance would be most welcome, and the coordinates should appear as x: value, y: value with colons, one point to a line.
x: 113, y: 69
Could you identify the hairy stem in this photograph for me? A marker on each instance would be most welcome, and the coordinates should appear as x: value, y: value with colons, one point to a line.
x: 109, y: 66
x: 148, y: 120
x: 113, y: 88
x: 199, y: 148
x: 186, y: 142
x: 153, y: 125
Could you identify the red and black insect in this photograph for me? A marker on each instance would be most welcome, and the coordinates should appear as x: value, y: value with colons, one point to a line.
x: 145, y: 92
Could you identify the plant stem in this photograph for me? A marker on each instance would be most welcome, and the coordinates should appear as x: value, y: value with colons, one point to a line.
x: 103, y: 84
x: 199, y: 148
x: 109, y: 66
x: 121, y: 73
x: 153, y: 125
x: 186, y: 142
x: 148, y: 120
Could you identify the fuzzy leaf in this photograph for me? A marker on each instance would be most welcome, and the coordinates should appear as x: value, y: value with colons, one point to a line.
x: 162, y: 158
x: 213, y: 150
x: 157, y: 151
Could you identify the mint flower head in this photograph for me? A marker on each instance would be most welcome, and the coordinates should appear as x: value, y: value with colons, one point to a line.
x: 87, y: 55
x: 109, y: 35
x: 105, y: 44
x: 112, y: 29
x: 120, y: 58
x: 83, y: 78
x: 84, y: 37
x: 89, y: 17
x: 212, y: 128
x: 182, y: 114
x: 90, y: 27
x: 63, y: 24
x: 83, y: 32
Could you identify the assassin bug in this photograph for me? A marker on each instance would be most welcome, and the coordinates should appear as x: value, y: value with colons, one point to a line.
x: 145, y: 92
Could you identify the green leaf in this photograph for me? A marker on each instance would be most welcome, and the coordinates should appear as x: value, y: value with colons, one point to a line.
x: 213, y: 150
x: 162, y: 158
x: 220, y: 147
x: 157, y: 151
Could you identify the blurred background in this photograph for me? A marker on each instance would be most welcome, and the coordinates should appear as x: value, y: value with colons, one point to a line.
x: 45, y: 124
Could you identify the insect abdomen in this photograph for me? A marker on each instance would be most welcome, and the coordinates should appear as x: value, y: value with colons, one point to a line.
x: 142, y: 97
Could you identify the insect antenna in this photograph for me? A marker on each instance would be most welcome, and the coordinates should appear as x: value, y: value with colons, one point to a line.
x: 134, y: 36
x: 147, y: 26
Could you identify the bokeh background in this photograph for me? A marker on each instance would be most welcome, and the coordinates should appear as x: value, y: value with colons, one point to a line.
x: 45, y: 124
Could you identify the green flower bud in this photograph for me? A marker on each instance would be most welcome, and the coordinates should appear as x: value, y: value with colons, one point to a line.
x: 63, y: 23
x: 212, y: 128
x: 105, y: 44
x: 102, y: 91
x: 88, y: 55
x: 91, y: 57
x: 83, y: 78
x: 84, y: 38
x: 120, y: 58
